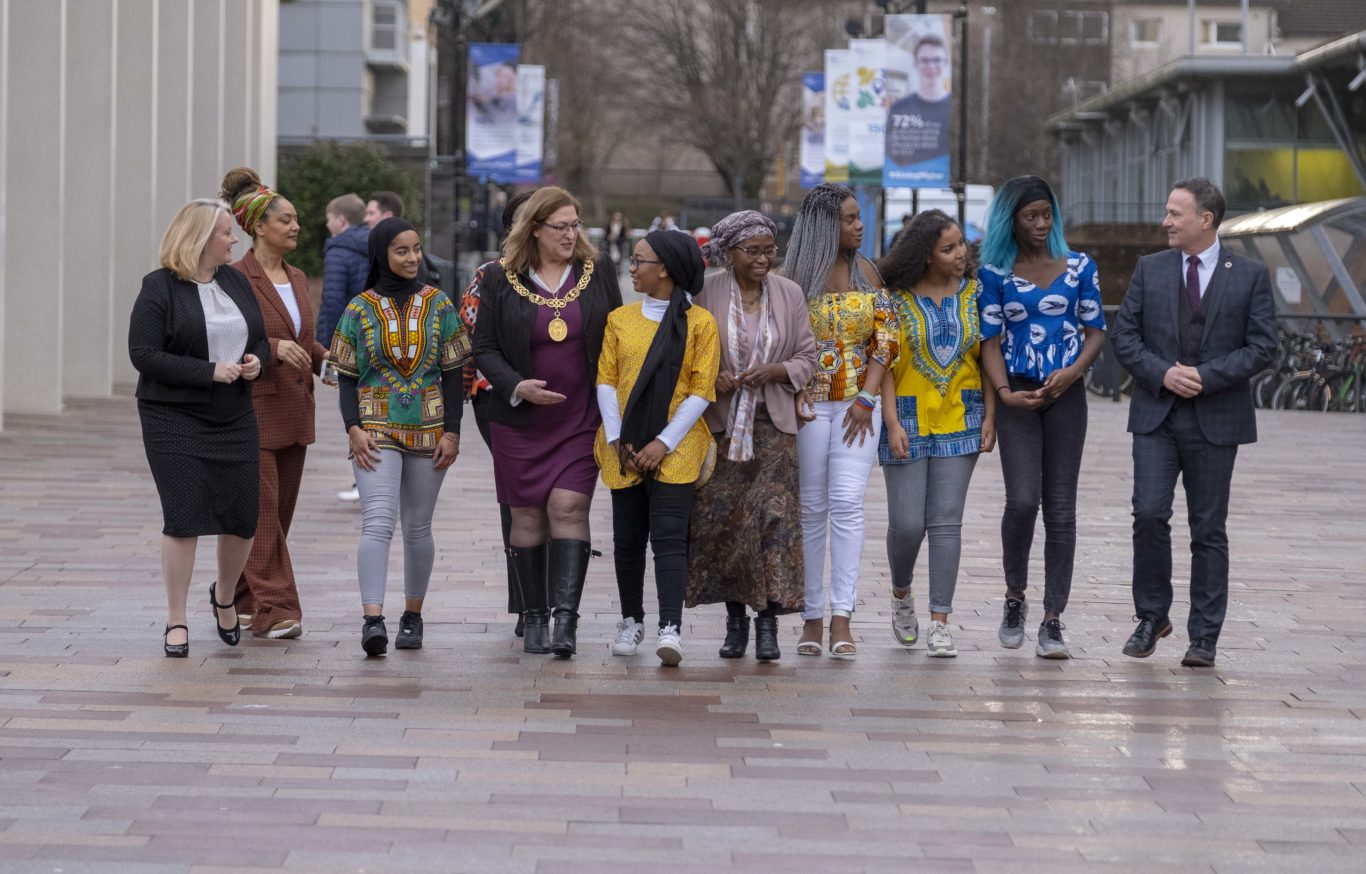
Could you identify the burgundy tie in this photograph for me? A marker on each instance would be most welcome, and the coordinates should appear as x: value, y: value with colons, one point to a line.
x: 1193, y: 282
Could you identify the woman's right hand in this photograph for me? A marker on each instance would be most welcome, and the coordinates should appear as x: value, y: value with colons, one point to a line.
x: 226, y: 371
x: 364, y: 449
x: 1023, y: 400
x: 533, y: 391
x: 898, y: 442
x: 725, y: 383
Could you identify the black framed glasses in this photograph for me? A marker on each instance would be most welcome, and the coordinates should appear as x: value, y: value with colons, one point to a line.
x: 572, y: 227
x: 635, y: 261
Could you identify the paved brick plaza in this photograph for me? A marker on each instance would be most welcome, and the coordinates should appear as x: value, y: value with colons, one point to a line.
x: 470, y: 756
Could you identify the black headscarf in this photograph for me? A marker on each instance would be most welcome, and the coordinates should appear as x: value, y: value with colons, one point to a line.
x: 1034, y: 190
x: 647, y: 409
x: 382, y: 278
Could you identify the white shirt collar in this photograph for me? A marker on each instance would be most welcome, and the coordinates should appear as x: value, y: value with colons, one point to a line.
x: 1208, y: 258
x: 540, y: 280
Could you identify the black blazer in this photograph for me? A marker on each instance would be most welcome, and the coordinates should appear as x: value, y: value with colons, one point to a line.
x: 1239, y: 342
x: 502, y: 342
x: 169, y: 344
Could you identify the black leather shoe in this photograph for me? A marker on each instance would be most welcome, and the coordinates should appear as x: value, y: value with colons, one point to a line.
x: 528, y: 566
x: 519, y: 628
x: 176, y: 650
x: 409, y: 631
x: 1145, y: 637
x: 568, y: 568
x: 374, y: 637
x: 766, y: 639
x: 737, y: 637
x: 232, y: 635
x: 1200, y: 654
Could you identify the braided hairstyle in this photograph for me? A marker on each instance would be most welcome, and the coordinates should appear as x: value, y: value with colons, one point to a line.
x: 815, y: 241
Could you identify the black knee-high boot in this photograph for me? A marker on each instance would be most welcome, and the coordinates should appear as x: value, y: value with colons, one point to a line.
x: 514, y: 593
x: 568, y: 567
x: 529, y: 569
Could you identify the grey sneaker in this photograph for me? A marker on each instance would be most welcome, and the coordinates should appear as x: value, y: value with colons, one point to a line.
x: 940, y: 645
x: 1013, y: 616
x: 629, y: 635
x: 1051, y: 645
x: 905, y: 627
x: 669, y: 646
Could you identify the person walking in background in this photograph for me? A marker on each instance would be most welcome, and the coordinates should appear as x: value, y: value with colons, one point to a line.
x: 1042, y: 327
x: 197, y: 341
x: 936, y: 418
x: 267, y: 596
x: 616, y: 238
x: 477, y: 390
x: 746, y: 524
x: 1197, y: 323
x: 541, y: 324
x: 656, y: 377
x: 346, y: 261
x: 855, y: 333
x: 382, y: 205
x: 400, y: 350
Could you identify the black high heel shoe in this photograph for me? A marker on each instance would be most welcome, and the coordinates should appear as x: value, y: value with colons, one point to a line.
x: 230, y: 636
x: 176, y: 650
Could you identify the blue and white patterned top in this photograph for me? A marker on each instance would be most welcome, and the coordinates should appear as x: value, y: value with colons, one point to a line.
x: 1042, y: 326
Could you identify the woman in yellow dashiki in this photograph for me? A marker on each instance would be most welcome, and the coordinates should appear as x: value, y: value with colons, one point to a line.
x: 936, y: 417
x: 656, y: 377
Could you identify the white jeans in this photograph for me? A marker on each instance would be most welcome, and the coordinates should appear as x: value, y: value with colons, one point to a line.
x: 833, y: 479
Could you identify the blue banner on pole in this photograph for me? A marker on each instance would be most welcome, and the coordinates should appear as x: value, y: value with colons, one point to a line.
x: 813, y: 129
x: 491, y: 111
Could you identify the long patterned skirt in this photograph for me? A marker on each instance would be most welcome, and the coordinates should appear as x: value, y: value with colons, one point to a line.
x: 747, y: 528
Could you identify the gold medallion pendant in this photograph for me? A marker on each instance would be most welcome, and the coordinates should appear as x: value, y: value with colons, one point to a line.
x: 559, y: 329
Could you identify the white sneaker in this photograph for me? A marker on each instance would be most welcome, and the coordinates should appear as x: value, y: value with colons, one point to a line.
x: 905, y: 627
x: 629, y: 635
x: 286, y: 630
x: 351, y: 494
x: 669, y: 646
x: 940, y: 644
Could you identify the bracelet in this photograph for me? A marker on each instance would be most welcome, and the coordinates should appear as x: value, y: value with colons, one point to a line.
x: 1002, y: 388
x: 865, y: 402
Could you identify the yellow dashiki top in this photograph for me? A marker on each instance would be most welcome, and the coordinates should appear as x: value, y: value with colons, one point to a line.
x: 852, y: 328
x: 397, y: 356
x: 624, y: 346
x: 938, y: 375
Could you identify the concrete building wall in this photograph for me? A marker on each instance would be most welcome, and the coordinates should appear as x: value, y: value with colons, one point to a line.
x: 153, y: 100
x: 1147, y: 35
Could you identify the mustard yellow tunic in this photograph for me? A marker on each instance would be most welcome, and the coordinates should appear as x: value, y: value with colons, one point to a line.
x: 852, y: 328
x: 624, y: 346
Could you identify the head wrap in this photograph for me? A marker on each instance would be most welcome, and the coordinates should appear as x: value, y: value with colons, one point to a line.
x: 382, y: 277
x: 733, y: 230
x: 1035, y: 189
x: 647, y: 409
x: 250, y: 206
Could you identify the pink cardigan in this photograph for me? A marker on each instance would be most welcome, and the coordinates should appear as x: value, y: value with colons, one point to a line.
x: 795, y: 347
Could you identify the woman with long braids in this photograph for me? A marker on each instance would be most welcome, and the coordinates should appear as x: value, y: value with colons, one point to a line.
x: 855, y: 334
x: 1042, y: 327
x: 746, y: 530
x: 936, y: 418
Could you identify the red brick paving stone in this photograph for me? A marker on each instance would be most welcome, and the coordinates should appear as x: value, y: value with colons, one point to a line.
x: 995, y: 761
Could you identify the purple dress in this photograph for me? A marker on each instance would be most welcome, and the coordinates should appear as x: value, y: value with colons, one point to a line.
x: 556, y: 450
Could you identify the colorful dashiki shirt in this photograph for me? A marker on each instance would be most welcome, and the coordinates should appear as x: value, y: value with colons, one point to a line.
x: 852, y: 328
x: 938, y: 375
x: 1041, y: 327
x: 397, y: 356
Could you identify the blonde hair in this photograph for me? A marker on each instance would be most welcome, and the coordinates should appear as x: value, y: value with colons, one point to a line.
x: 349, y: 207
x: 188, y: 232
x: 520, y: 247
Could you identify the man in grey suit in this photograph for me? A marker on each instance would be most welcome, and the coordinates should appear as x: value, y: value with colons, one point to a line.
x: 1197, y: 323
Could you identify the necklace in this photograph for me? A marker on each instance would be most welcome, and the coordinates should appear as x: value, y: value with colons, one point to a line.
x: 559, y: 329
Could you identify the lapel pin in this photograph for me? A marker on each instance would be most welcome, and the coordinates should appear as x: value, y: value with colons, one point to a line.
x: 1228, y: 264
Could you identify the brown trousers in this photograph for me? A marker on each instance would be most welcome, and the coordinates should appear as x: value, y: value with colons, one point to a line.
x: 266, y: 589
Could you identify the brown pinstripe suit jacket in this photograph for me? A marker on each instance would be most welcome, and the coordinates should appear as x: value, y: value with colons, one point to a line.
x: 283, y: 396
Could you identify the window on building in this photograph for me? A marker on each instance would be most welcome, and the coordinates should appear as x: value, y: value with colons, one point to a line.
x: 1221, y: 34
x: 1145, y: 31
x: 1070, y: 27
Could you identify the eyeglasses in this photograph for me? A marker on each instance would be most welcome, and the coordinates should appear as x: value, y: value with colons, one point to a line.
x: 635, y: 261
x: 769, y: 252
x: 932, y: 62
x: 571, y: 228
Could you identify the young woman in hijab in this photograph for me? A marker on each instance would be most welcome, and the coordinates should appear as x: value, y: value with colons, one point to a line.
x: 746, y: 524
x: 400, y: 350
x: 855, y: 333
x: 267, y: 597
x: 656, y: 377
x: 1042, y: 327
x: 541, y: 323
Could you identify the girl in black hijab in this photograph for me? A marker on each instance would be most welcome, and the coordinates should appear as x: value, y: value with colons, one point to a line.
x: 656, y: 376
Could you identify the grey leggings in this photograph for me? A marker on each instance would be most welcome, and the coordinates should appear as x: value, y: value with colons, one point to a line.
x: 401, y: 488
x: 927, y: 495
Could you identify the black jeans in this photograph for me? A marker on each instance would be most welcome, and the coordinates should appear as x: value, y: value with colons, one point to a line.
x: 1041, y: 462
x: 1178, y: 446
x: 657, y: 512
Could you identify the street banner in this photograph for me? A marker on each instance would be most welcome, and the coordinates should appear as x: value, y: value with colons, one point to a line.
x: 838, y: 89
x: 530, y: 123
x: 491, y: 111
x: 813, y: 129
x: 868, y: 114
x: 918, y: 74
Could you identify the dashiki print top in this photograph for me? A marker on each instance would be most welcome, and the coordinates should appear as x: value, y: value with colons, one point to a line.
x: 1040, y: 328
x: 938, y: 375
x: 852, y: 328
x: 397, y: 355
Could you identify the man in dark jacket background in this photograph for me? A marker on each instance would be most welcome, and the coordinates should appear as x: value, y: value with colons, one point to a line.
x: 346, y: 258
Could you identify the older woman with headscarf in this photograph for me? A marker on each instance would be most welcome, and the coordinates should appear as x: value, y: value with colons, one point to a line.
x: 400, y: 350
x: 656, y: 377
x: 746, y: 524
